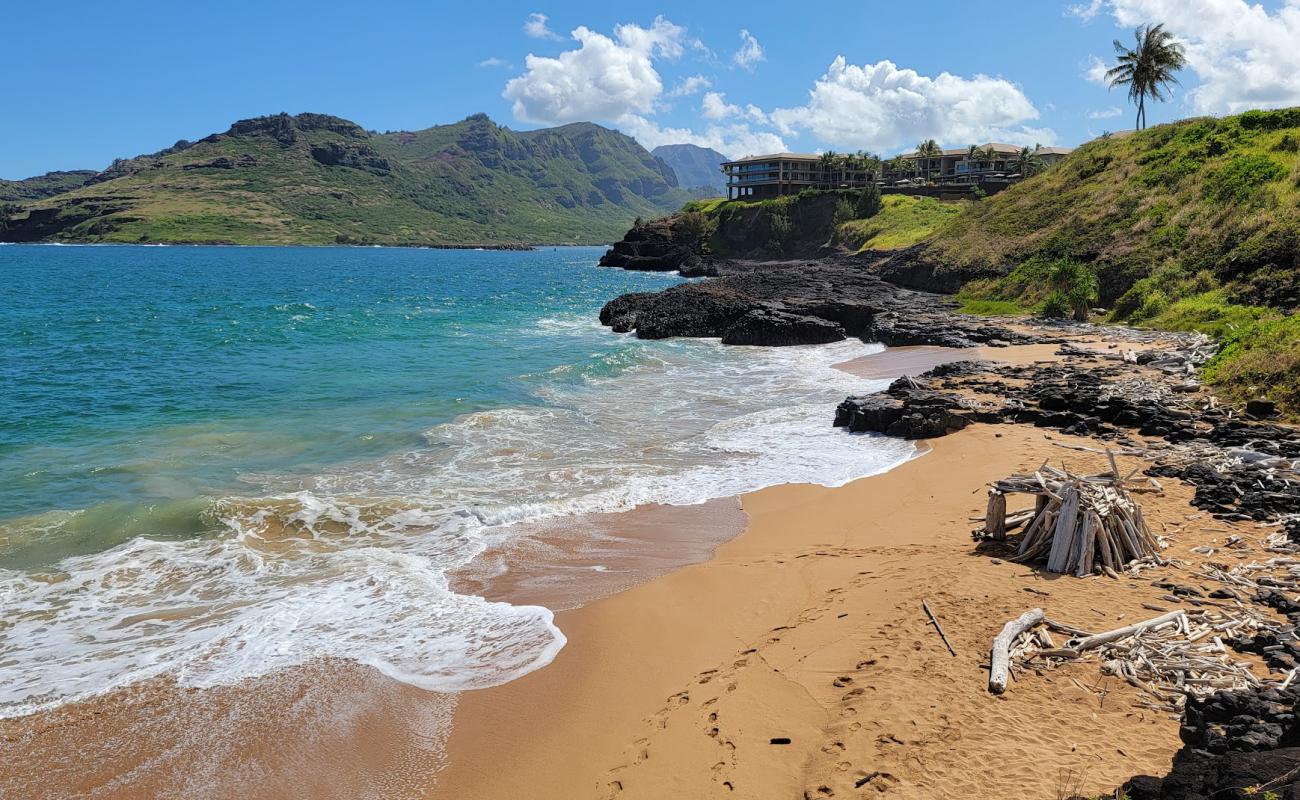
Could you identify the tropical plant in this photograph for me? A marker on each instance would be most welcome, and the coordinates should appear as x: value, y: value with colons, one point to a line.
x: 1148, y: 69
x: 1074, y: 290
x: 927, y: 151
x: 991, y: 156
x: 780, y: 228
x: 973, y: 155
x: 1028, y: 162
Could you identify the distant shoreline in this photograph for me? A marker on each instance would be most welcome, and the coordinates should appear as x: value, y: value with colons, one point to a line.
x: 517, y: 246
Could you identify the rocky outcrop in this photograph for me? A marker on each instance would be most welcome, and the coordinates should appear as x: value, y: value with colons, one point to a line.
x: 904, y: 411
x: 846, y: 293
x: 652, y: 247
x: 1235, y: 745
x: 773, y: 327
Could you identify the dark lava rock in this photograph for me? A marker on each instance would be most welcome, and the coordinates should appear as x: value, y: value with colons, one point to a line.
x: 771, y: 327
x: 913, y: 413
x: 653, y: 247
x: 1235, y: 745
x: 1261, y: 409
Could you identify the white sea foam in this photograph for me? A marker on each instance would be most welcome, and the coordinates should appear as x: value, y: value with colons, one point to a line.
x: 353, y: 563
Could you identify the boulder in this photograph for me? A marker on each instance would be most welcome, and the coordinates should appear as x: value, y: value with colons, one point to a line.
x: 1261, y: 408
x: 771, y: 327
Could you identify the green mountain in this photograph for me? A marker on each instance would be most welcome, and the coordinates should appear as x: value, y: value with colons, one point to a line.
x: 697, y: 168
x: 317, y: 179
x: 47, y: 185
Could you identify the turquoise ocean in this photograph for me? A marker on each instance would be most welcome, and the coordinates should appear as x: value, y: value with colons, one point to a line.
x: 218, y: 462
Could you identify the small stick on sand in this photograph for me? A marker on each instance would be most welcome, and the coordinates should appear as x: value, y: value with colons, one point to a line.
x: 926, y: 605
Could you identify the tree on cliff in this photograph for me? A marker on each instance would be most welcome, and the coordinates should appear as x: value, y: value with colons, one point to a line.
x: 927, y: 151
x: 1148, y: 69
x: 1074, y: 289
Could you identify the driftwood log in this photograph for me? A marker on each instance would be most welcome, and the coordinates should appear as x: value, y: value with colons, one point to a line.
x: 1000, y: 659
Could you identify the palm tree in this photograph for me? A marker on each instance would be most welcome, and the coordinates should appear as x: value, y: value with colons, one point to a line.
x: 973, y: 154
x: 927, y: 150
x: 1148, y: 69
x: 990, y: 156
x: 1028, y: 163
x: 898, y: 165
x: 827, y: 164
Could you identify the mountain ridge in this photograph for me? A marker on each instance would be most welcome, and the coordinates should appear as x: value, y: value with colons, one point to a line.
x: 318, y: 179
x: 697, y: 167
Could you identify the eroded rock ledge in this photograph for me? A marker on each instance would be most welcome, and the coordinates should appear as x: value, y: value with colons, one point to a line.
x: 802, y: 302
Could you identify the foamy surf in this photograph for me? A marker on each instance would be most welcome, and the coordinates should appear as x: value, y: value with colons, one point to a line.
x: 346, y: 552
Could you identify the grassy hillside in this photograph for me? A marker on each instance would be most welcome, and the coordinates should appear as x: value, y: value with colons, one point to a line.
x: 903, y: 221
x: 1193, y: 225
x: 1159, y: 215
x: 316, y: 179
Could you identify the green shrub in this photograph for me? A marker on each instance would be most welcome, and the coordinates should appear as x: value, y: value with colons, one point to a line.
x: 695, y: 227
x: 1241, y: 178
x: 1261, y: 358
x: 1270, y: 120
x: 869, y: 202
x: 1056, y: 306
x: 844, y: 212
x: 1287, y: 144
x: 780, y: 228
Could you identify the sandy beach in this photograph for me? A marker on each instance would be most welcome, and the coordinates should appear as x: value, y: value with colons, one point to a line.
x: 798, y: 661
x: 793, y: 660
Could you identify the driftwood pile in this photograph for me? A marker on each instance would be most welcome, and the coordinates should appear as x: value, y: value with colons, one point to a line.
x: 1169, y: 658
x: 1079, y: 524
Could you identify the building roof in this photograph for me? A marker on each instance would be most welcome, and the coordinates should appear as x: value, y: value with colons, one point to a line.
x: 776, y: 157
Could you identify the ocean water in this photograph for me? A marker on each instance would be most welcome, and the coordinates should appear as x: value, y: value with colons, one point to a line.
x: 219, y: 462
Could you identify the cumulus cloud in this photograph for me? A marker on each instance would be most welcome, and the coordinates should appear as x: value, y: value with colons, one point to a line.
x: 1244, y: 55
x: 1084, y: 11
x: 603, y: 79
x: 536, y: 26
x: 1106, y: 113
x: 750, y: 52
x: 1095, y: 71
x: 882, y: 107
x: 689, y: 86
x: 732, y: 140
x: 714, y: 106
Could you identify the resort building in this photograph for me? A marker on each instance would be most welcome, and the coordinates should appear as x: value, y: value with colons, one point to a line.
x: 778, y: 174
x: 993, y: 161
x: 788, y: 173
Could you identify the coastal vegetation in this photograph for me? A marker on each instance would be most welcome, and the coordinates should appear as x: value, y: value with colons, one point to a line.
x: 316, y: 179
x: 901, y: 221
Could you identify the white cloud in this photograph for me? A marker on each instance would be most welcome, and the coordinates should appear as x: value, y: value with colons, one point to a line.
x: 1106, y: 113
x: 750, y: 52
x: 536, y: 27
x: 1095, y: 71
x: 732, y: 140
x: 714, y: 106
x: 689, y: 86
x: 1244, y: 55
x: 1084, y: 11
x: 604, y: 79
x: 881, y: 107
x: 495, y: 62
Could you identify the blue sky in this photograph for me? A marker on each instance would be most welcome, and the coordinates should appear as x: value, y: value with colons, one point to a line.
x: 89, y: 81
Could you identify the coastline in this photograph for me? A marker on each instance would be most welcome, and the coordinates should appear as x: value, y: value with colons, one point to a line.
x: 808, y: 626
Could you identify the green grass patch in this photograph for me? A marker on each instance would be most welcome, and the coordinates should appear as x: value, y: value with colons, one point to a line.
x: 902, y: 222
x: 991, y: 308
x: 1210, y: 313
x: 1261, y: 358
